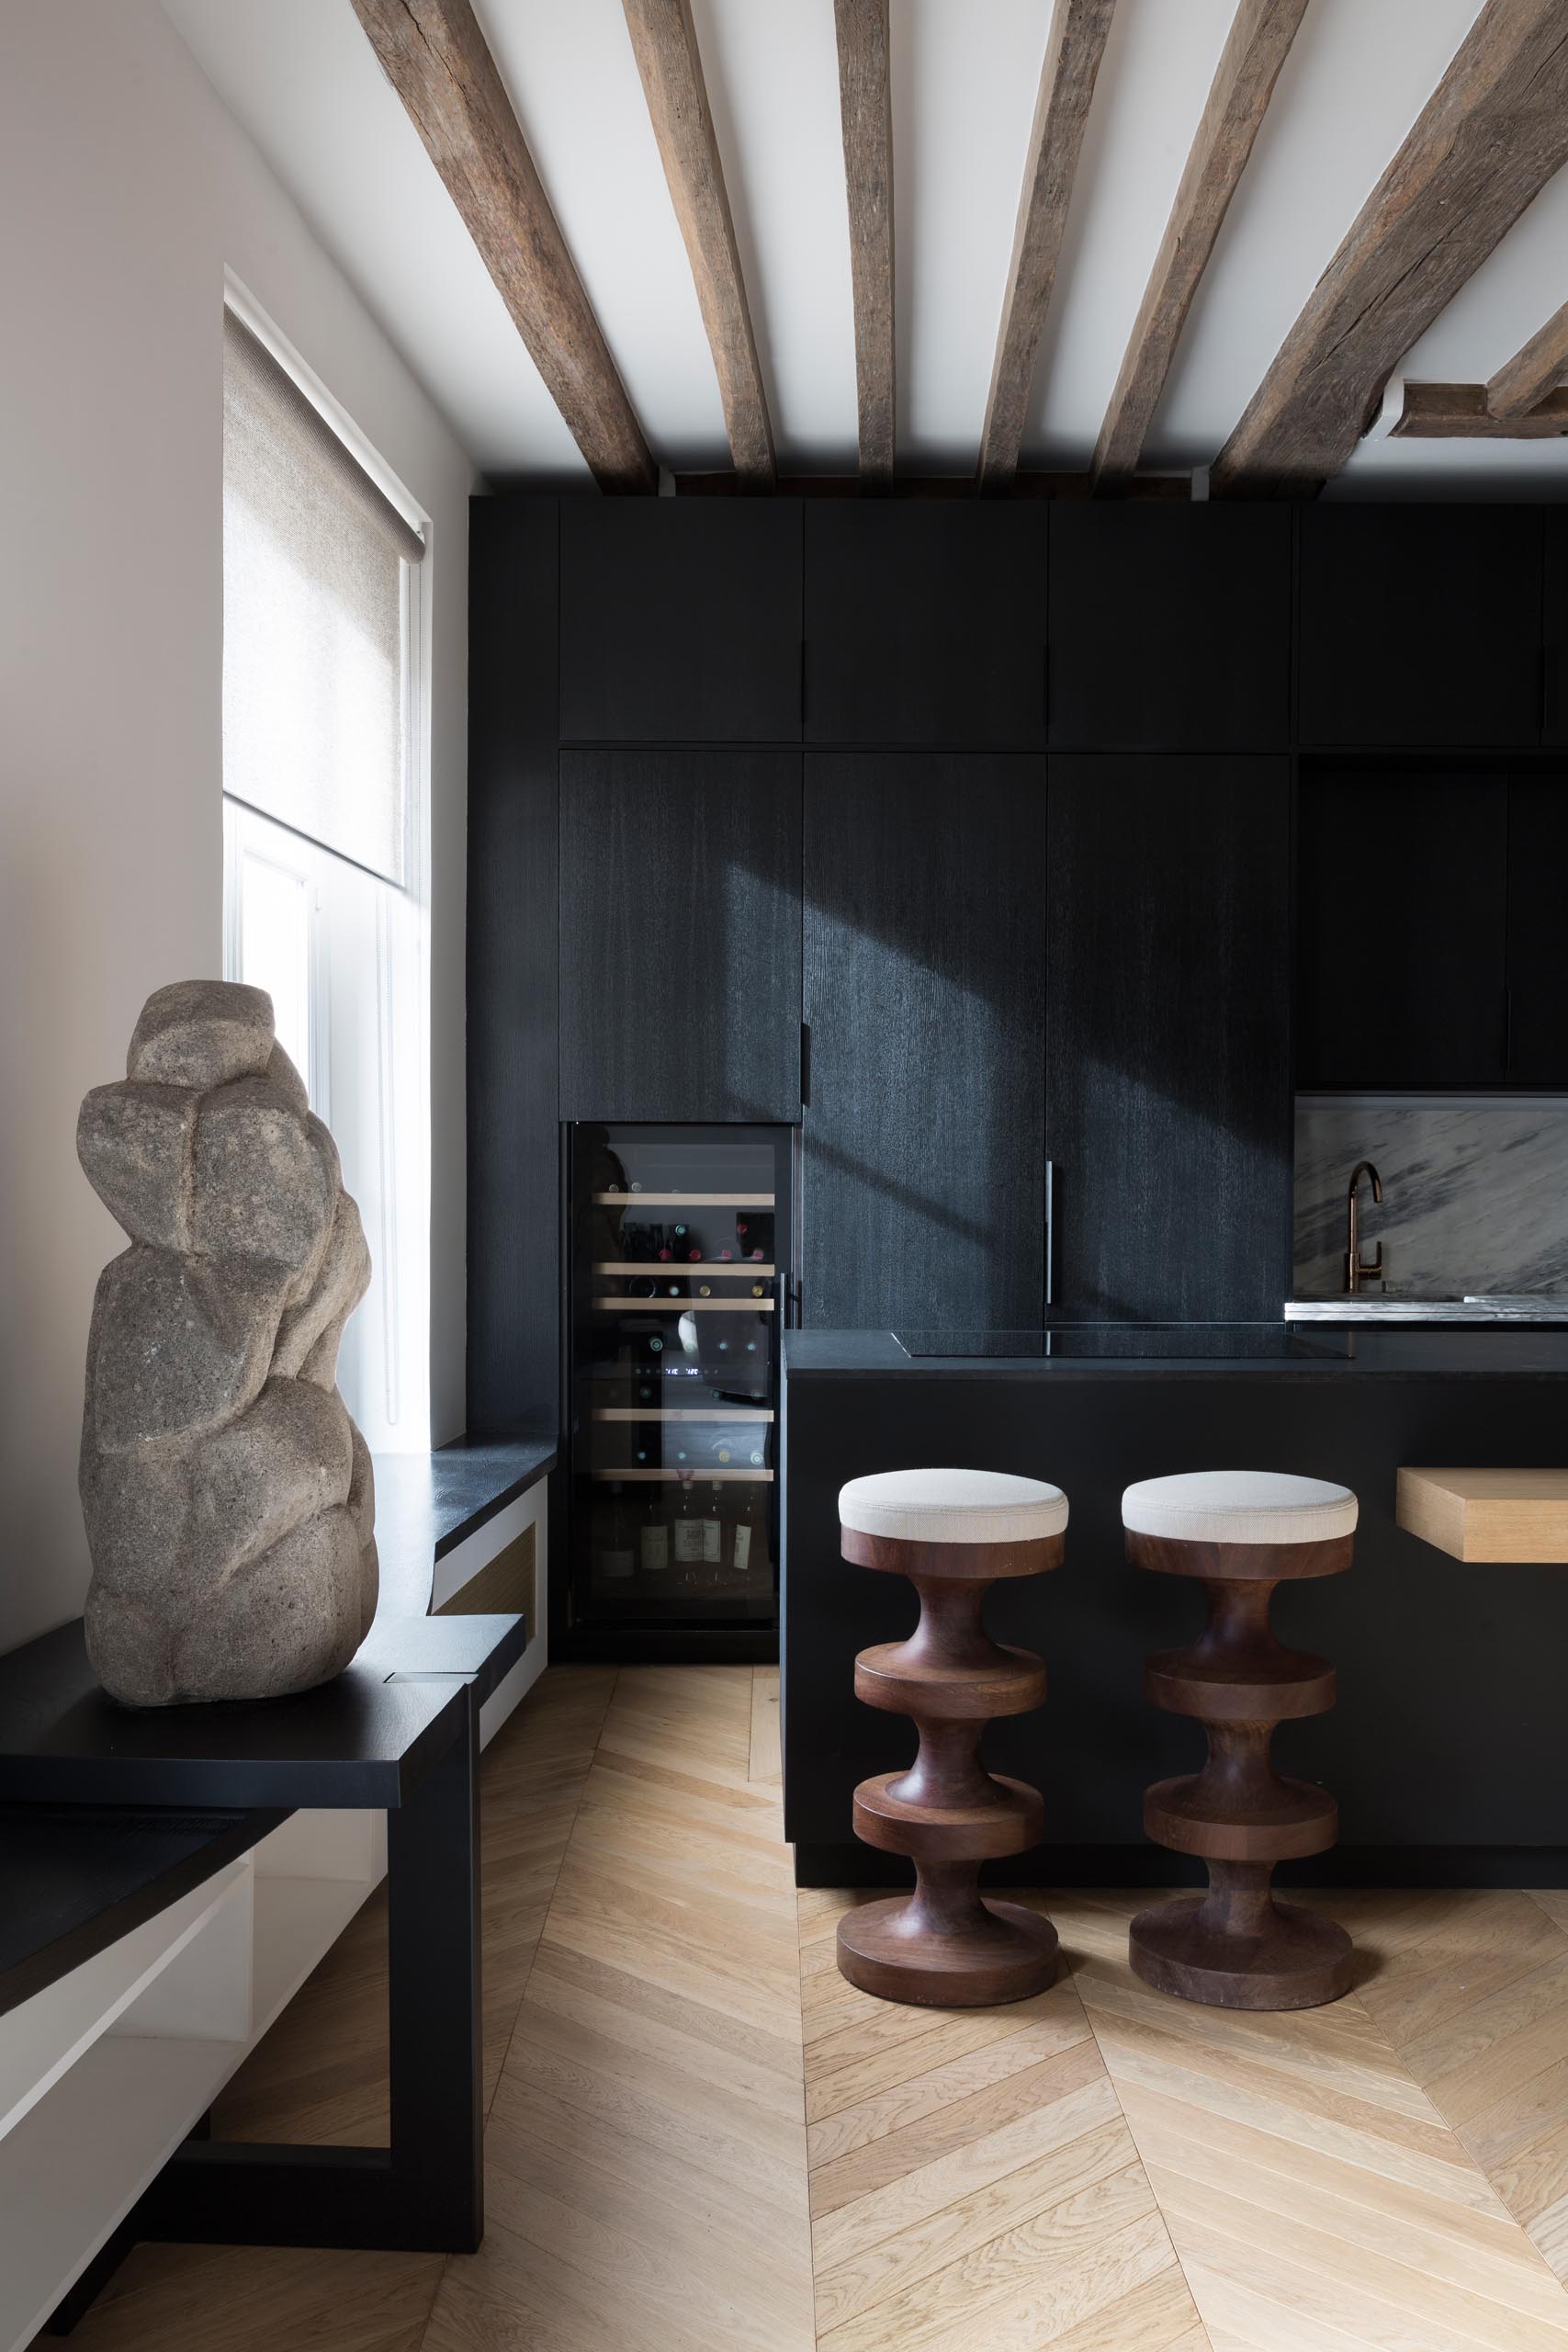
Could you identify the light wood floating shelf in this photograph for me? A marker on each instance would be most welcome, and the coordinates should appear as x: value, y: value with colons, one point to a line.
x: 703, y: 1478
x: 664, y: 1268
x: 684, y: 1200
x: 679, y: 1413
x: 1517, y: 1516
x: 684, y: 1305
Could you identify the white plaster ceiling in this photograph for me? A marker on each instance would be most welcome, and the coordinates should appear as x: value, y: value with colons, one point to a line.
x: 300, y: 77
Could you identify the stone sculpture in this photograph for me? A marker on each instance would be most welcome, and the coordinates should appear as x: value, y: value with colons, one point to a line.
x: 228, y: 1495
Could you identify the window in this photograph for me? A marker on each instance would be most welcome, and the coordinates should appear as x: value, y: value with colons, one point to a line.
x: 323, y: 843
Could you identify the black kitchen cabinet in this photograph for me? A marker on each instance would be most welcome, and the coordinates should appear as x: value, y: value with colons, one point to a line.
x: 513, y: 965
x: 1538, y: 932
x: 1419, y: 624
x: 1169, y: 1106
x: 1554, y: 617
x: 924, y: 956
x: 680, y: 620
x: 680, y: 935
x: 1401, y: 881
x: 1169, y: 627
x: 925, y: 622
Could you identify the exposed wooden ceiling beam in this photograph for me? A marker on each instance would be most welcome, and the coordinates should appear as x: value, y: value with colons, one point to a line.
x: 1462, y: 412
x: 665, y: 42
x: 1532, y: 371
x: 1256, y: 47
x: 1074, y: 47
x: 1491, y: 135
x: 434, y: 54
x: 866, y: 105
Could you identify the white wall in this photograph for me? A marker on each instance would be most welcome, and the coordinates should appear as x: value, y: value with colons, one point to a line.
x: 125, y: 189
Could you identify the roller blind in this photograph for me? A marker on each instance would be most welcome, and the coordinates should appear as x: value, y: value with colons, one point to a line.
x: 314, y: 692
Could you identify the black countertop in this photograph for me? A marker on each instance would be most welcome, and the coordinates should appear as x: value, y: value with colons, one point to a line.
x: 1501, y: 1353
x: 426, y: 1504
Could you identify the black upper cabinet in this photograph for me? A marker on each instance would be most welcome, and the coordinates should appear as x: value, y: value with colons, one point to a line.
x: 925, y: 622
x: 1538, y: 934
x: 1402, y: 903
x: 680, y: 620
x: 1420, y: 625
x: 679, y: 934
x: 1168, y: 1109
x: 1171, y: 627
x: 1554, y: 613
x: 924, y: 932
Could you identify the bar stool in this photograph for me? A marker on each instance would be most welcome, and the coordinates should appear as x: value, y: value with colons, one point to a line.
x: 1243, y: 1532
x: 952, y: 1534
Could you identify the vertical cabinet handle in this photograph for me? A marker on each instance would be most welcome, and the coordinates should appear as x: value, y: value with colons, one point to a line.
x: 804, y: 1065
x: 1050, y: 1233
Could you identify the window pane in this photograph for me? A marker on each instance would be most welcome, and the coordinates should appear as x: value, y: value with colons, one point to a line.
x: 274, y: 950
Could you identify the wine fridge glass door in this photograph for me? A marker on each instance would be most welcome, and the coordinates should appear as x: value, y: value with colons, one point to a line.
x: 679, y: 1252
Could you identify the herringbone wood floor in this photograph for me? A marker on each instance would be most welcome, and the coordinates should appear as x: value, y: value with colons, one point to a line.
x: 701, y: 2140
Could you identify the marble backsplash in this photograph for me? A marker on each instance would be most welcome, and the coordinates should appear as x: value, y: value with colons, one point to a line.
x: 1475, y: 1193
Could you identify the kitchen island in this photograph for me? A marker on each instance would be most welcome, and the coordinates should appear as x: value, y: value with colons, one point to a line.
x: 1448, y: 1750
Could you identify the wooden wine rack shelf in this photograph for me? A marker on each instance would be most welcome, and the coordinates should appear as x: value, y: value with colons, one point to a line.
x: 682, y: 1305
x: 685, y: 1200
x: 669, y: 1268
x: 682, y: 1413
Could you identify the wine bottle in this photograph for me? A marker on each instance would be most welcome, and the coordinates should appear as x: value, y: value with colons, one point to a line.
x: 688, y: 1530
x: 754, y: 1234
x: 713, y: 1537
x: 615, y: 1560
x: 745, y: 1556
x: 653, y: 1549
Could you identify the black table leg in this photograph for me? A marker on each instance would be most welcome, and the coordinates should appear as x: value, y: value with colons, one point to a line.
x: 425, y: 2193
x: 434, y: 2000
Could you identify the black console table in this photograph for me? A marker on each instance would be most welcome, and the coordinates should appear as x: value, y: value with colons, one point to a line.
x: 399, y: 1730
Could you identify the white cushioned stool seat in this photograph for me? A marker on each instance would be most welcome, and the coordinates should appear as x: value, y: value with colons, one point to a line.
x: 1239, y: 1506
x: 953, y: 1507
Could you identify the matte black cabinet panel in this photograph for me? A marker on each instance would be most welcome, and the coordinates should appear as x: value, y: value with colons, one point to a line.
x: 680, y: 619
x: 679, y: 934
x: 1168, y: 1107
x: 1538, y: 930
x: 1554, y: 612
x: 1419, y: 624
x: 1401, y: 889
x: 925, y: 622
x: 923, y: 1192
x: 1171, y: 627
x: 513, y: 965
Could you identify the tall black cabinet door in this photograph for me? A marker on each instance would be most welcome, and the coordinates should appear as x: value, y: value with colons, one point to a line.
x: 680, y: 935
x: 1171, y: 627
x: 1400, y: 908
x: 513, y: 1045
x: 680, y: 619
x: 1538, y: 934
x: 1169, y: 1106
x: 1419, y: 624
x: 925, y: 621
x: 924, y: 989
x: 1554, y: 615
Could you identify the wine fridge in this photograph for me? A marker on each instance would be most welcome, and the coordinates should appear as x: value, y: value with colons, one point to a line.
x: 678, y: 1265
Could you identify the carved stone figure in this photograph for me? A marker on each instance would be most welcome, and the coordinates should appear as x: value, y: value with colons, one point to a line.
x: 228, y: 1495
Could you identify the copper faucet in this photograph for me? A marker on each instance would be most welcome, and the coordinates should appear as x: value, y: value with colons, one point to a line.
x: 1357, y: 1269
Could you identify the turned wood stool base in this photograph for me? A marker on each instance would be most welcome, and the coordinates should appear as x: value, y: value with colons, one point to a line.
x: 1241, y: 1534
x: 952, y: 1534
x: 1277, y: 1957
x: 995, y: 1953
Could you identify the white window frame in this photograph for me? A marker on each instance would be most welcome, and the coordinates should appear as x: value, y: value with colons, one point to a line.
x: 387, y: 1381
